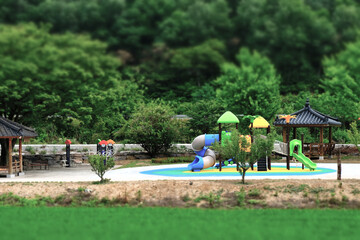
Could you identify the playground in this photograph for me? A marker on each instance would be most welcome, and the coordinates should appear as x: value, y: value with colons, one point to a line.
x: 180, y: 172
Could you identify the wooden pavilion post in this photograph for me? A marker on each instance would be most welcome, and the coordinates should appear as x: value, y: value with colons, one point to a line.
x: 302, y: 147
x: 284, y: 134
x: 220, y: 133
x: 321, y: 147
x: 294, y: 133
x: 251, y: 132
x: 269, y: 157
x: 219, y: 143
x: 10, y: 157
x: 288, y: 150
x: 237, y: 126
x: 285, y: 140
x: 20, y: 155
x: 251, y: 140
x: 330, y: 142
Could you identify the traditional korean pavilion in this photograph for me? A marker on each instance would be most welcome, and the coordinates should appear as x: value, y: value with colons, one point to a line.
x: 10, y: 132
x: 309, y: 118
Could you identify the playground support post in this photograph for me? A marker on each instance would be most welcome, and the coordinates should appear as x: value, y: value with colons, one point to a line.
x: 269, y: 157
x: 287, y: 137
x: 252, y: 140
x: 220, y: 168
x: 288, y: 156
x: 330, y: 141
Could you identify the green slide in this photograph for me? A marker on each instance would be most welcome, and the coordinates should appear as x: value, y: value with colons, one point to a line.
x: 304, y: 160
x: 299, y: 155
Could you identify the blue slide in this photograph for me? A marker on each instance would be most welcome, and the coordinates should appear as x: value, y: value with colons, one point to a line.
x: 205, y: 157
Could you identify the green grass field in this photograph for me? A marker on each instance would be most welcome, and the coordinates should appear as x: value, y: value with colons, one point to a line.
x: 175, y: 223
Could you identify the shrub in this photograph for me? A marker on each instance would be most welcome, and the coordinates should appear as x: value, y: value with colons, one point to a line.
x: 30, y: 149
x: 153, y: 127
x: 354, y: 135
x: 204, y: 115
x: 173, y: 160
x: 100, y: 165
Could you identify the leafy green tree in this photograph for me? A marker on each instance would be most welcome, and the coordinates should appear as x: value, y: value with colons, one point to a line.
x: 137, y: 28
x: 204, y: 115
x: 100, y: 165
x: 96, y: 17
x: 354, y: 135
x: 262, y: 146
x: 179, y: 73
x: 235, y: 149
x: 292, y: 35
x: 153, y: 127
x: 252, y: 88
x: 57, y: 80
x: 342, y: 84
x: 200, y: 21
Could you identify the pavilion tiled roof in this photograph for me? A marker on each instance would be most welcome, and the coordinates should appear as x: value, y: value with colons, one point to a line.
x: 12, y: 129
x: 308, y: 117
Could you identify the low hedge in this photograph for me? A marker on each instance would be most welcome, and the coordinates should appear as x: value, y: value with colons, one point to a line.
x: 173, y: 160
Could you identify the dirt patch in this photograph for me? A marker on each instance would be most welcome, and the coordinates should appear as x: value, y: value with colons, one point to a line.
x: 174, y: 193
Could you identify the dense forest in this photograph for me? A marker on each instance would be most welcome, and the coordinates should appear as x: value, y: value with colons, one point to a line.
x: 81, y: 68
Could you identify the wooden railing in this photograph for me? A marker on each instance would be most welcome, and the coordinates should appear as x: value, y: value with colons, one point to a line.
x: 16, y: 165
x: 318, y: 149
x: 281, y: 147
x: 309, y: 149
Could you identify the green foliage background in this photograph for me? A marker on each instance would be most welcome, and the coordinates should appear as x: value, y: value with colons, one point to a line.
x: 78, y: 68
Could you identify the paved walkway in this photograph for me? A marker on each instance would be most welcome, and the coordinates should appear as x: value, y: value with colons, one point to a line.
x: 84, y: 173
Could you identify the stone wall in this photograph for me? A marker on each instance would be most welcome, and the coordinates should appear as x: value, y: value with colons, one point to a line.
x: 57, y: 160
x: 85, y: 148
x: 55, y: 154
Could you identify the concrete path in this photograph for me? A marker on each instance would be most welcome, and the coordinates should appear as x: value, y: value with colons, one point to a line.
x: 83, y: 173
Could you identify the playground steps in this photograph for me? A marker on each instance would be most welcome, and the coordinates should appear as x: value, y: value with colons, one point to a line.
x: 261, y: 165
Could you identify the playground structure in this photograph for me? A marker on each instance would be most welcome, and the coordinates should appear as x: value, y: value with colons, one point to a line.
x: 105, y: 148
x: 206, y: 158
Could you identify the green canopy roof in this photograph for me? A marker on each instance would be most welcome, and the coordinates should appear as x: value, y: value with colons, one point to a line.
x: 228, y: 117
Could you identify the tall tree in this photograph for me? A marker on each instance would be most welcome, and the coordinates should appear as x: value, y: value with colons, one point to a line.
x: 342, y: 84
x: 252, y: 87
x: 292, y: 35
x: 47, y: 79
x: 199, y: 22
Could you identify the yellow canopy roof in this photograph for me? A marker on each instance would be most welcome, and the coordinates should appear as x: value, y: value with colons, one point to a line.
x: 260, y: 122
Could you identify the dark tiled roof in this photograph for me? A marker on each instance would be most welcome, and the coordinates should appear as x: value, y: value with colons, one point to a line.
x: 308, y: 116
x: 12, y: 129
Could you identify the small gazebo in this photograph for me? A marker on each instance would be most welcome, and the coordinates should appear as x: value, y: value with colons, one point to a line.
x: 309, y: 118
x: 10, y: 132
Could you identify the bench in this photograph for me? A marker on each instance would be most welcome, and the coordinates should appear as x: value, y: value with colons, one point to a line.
x: 39, y: 163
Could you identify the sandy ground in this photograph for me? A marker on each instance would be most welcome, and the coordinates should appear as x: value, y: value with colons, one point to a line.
x: 130, y: 186
x: 270, y: 193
